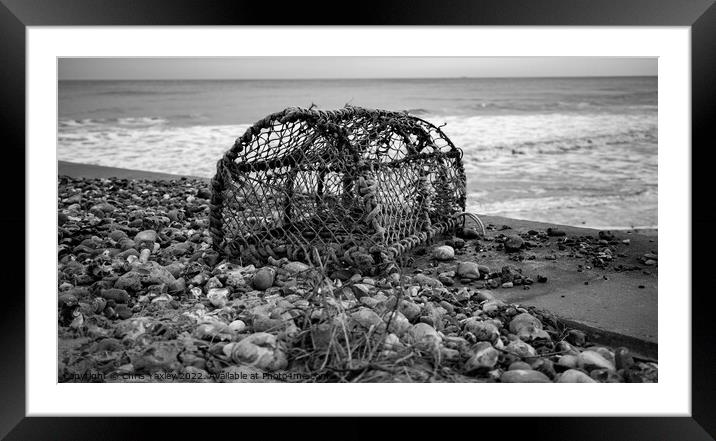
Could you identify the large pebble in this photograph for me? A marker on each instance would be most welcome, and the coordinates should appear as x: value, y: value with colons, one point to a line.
x: 484, y: 356
x: 456, y: 242
x: 492, y: 306
x: 519, y: 365
x: 604, y: 352
x: 528, y: 327
x: 123, y: 311
x: 66, y: 299
x: 235, y: 279
x: 213, y: 331
x: 623, y: 358
x: 424, y: 280
x: 296, y: 267
x: 361, y: 290
x: 366, y: 317
x: 446, y: 278
x: 434, y: 314
x: 410, y: 310
x: 524, y: 376
x: 544, y: 365
x: 399, y: 324
x: 260, y: 350
x: 513, y: 243
x: 154, y: 274
x: 463, y: 295
x: 444, y: 252
x: 370, y: 302
x: 117, y: 235
x: 566, y: 348
x: 482, y: 295
x: 175, y: 268
x: 469, y: 233
x: 203, y: 193
x: 159, y: 356
x: 213, y: 282
x: 131, y: 281
x: 179, y: 249
x: 264, y: 323
x: 593, y: 360
x: 576, y: 337
x: 575, y: 376
x: 520, y: 348
x: 568, y: 361
x: 146, y: 237
x: 482, y: 330
x: 424, y: 336
x: 467, y: 270
x: 118, y: 295
x: 392, y: 342
x: 263, y: 279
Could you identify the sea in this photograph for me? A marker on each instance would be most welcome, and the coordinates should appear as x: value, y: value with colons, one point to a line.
x: 572, y: 151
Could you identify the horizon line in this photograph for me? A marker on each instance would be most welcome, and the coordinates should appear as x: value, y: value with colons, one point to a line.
x: 359, y: 78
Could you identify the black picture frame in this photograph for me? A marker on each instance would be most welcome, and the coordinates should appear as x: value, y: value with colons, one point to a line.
x: 16, y: 15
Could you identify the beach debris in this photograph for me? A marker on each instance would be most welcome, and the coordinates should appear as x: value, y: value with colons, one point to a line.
x: 264, y: 205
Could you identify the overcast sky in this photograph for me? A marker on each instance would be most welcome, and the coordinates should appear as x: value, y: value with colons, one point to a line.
x: 349, y: 67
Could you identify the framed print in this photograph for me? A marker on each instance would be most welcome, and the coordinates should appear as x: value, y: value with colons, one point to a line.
x: 257, y: 207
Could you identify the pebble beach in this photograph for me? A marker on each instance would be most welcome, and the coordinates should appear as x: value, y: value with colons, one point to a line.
x: 143, y: 297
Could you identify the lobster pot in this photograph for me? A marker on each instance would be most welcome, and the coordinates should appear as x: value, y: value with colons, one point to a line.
x: 350, y: 187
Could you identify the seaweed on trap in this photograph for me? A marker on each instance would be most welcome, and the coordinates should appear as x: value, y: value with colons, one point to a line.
x: 343, y: 188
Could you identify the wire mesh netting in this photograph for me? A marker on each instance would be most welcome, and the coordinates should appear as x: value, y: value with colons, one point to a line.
x: 351, y: 187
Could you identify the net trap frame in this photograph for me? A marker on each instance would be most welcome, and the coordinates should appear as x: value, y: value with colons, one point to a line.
x: 351, y: 188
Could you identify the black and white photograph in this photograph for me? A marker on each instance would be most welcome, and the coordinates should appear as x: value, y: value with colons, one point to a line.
x: 347, y: 219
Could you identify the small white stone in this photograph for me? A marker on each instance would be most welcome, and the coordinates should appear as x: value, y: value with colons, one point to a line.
x: 444, y: 252
x: 144, y: 255
x: 218, y: 297
x: 237, y: 325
